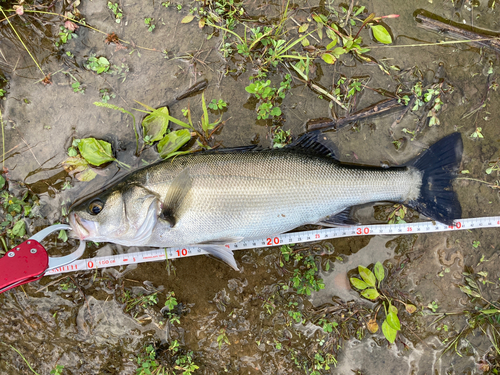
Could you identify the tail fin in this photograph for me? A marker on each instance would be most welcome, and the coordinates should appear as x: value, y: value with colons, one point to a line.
x: 439, y: 165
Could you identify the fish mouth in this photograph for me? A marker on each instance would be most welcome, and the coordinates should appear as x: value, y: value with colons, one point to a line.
x: 80, y: 228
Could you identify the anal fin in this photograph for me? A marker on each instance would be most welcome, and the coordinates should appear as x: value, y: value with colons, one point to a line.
x: 220, y: 252
x: 342, y: 218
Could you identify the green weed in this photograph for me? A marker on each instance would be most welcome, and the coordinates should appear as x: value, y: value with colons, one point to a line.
x: 14, y: 212
x: 106, y: 95
x: 304, y: 278
x: 369, y: 285
x: 98, y: 64
x: 268, y: 96
x: 58, y: 370
x: 222, y: 338
x: 217, y: 105
x: 65, y: 35
x: 118, y: 13
x: 149, y: 22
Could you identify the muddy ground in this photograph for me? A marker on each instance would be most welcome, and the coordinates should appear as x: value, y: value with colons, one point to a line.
x: 253, y: 321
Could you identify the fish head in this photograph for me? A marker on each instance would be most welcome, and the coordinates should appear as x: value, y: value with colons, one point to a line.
x: 125, y: 215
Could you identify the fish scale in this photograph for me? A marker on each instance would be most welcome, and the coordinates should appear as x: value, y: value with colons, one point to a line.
x: 252, y: 195
x: 209, y: 199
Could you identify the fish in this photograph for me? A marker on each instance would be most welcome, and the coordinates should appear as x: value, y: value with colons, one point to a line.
x: 212, y: 198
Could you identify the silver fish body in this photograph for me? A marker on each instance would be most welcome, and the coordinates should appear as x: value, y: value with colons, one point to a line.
x: 212, y: 198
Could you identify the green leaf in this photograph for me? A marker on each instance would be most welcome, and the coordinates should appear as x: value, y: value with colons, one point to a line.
x: 276, y: 111
x: 389, y: 332
x: 72, y: 152
x: 75, y: 164
x: 95, y: 151
x: 339, y: 51
x: 303, y: 28
x: 63, y: 235
x: 393, y: 309
x: 393, y: 321
x: 379, y: 271
x: 155, y: 125
x: 358, y: 283
x: 328, y: 58
x: 19, y: 229
x: 205, y: 124
x: 381, y: 34
x: 317, y: 18
x: 172, y: 142
x: 2, y: 182
x: 490, y: 311
x: 367, y: 275
x: 188, y: 18
x: 370, y: 293
x: 86, y: 175
x: 332, y: 44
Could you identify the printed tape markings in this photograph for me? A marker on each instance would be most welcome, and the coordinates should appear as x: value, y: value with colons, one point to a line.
x: 287, y: 238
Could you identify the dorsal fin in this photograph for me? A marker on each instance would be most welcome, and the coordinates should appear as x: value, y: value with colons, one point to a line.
x: 314, y: 142
x: 232, y: 149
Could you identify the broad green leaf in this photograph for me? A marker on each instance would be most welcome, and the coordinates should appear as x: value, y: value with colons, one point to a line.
x: 389, y: 332
x: 305, y: 42
x: 95, y: 151
x: 188, y: 18
x: 173, y: 141
x: 358, y: 283
x: 332, y: 44
x: 370, y: 293
x: 155, y: 125
x: 317, y: 18
x: 19, y: 229
x: 381, y: 34
x: 339, y: 51
x: 393, y: 321
x: 303, y: 28
x: 2, y: 182
x: 367, y: 275
x: 328, y: 58
x: 379, y: 271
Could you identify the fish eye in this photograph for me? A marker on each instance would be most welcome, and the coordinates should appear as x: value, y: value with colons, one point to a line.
x: 95, y: 207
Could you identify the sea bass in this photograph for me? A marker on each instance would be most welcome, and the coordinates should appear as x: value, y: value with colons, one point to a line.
x: 209, y: 199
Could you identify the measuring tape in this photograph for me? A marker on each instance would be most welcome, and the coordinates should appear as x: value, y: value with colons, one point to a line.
x: 282, y: 239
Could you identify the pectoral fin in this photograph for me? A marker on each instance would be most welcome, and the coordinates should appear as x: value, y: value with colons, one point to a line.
x: 174, y: 198
x: 220, y: 252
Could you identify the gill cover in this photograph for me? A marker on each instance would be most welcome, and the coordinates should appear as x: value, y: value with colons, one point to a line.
x: 126, y: 216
